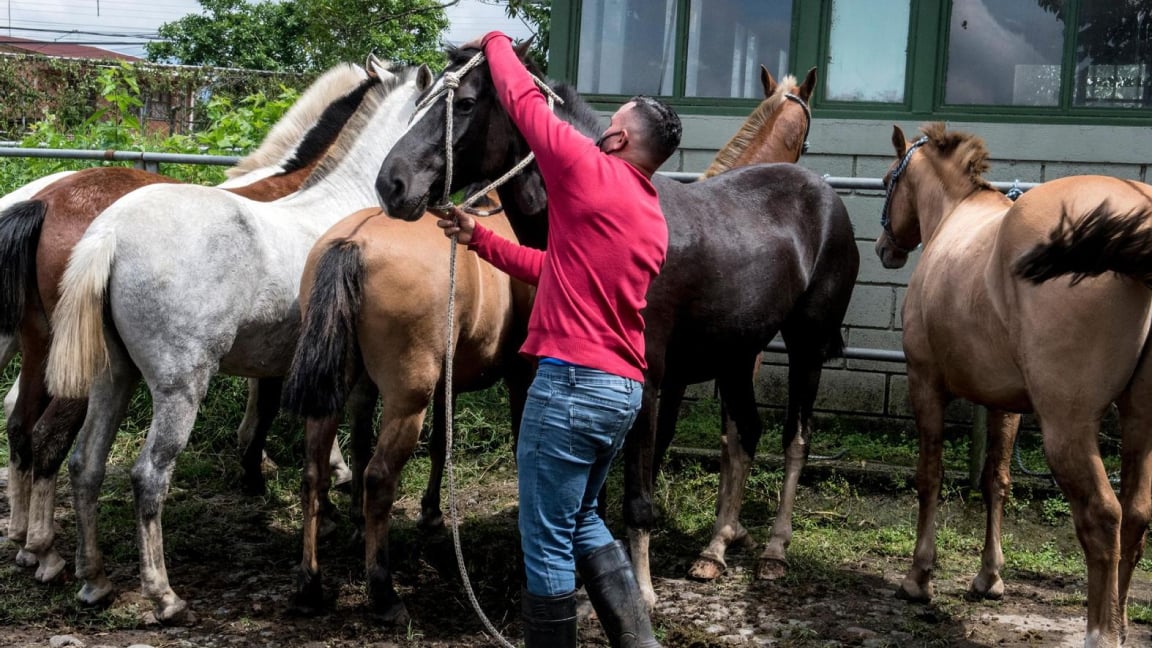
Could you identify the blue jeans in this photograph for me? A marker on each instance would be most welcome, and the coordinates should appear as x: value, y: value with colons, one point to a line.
x: 575, y: 421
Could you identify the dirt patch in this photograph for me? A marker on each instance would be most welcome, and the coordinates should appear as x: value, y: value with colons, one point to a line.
x: 232, y: 558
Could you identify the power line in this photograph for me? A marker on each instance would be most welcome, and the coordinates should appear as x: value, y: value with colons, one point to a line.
x: 81, y: 32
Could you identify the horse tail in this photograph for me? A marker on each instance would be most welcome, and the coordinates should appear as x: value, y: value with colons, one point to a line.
x: 20, y: 226
x: 78, y: 350
x: 317, y: 383
x: 1103, y: 241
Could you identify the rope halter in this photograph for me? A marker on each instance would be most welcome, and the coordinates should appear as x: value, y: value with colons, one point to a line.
x: 885, y: 219
x: 807, y: 114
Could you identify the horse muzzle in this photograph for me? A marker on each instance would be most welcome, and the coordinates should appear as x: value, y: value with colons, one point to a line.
x: 891, y: 256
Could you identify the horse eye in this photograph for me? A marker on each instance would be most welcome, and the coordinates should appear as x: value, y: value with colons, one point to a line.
x: 466, y: 104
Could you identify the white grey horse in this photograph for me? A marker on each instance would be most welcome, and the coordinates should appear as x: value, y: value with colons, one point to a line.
x: 195, y: 282
x: 293, y: 145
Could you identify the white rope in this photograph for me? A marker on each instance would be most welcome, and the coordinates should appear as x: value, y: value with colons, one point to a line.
x: 451, y: 82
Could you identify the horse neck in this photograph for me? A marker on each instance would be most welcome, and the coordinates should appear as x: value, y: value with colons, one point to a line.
x: 940, y: 196
x: 345, y: 179
x: 531, y: 229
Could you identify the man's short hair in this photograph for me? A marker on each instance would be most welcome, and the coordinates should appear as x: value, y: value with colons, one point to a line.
x: 661, y: 126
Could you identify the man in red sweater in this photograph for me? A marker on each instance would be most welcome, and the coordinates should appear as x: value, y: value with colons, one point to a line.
x: 606, y: 241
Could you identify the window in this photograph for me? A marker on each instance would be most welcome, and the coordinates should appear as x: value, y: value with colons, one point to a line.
x: 1061, y: 61
x: 1004, y: 53
x: 629, y: 47
x: 868, y: 51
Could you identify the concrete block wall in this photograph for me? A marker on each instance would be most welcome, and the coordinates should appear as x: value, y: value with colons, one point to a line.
x: 878, y: 391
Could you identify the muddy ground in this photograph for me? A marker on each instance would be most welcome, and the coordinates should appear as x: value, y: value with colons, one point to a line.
x: 232, y: 558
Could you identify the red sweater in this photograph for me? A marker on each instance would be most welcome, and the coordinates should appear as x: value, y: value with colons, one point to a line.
x: 606, y: 236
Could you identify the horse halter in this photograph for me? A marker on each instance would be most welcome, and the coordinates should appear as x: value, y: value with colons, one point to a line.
x: 885, y: 220
x: 807, y: 114
x: 448, y: 91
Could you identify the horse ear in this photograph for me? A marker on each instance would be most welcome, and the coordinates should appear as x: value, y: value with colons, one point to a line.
x: 379, y: 69
x: 424, y: 77
x: 767, y: 81
x: 522, y: 48
x: 809, y: 85
x: 898, y: 141
x: 375, y: 62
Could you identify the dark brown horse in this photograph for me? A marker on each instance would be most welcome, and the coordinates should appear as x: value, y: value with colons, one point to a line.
x: 36, y: 239
x: 373, y: 300
x: 1066, y: 350
x: 752, y: 252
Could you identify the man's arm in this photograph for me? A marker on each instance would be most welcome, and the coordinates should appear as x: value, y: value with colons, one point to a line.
x: 555, y: 142
x: 521, y: 262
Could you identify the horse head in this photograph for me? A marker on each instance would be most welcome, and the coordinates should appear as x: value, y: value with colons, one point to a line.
x: 485, y: 143
x: 898, y: 218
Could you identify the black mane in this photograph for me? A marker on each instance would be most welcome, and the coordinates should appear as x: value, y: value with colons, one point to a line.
x: 320, y: 137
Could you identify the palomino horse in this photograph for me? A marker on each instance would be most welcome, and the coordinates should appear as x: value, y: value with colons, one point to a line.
x: 176, y: 327
x: 974, y: 329
x: 374, y: 302
x: 36, y: 238
x: 754, y: 251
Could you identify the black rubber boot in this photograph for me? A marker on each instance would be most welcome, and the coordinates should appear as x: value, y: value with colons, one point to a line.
x: 548, y: 621
x: 611, y: 585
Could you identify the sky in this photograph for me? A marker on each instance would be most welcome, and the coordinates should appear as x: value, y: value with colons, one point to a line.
x: 134, y: 21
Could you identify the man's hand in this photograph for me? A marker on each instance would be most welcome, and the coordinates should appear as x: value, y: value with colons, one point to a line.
x: 458, y: 222
x: 475, y: 43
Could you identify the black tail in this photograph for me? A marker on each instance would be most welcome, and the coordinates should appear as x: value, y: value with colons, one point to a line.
x: 317, y: 384
x: 1103, y: 241
x: 20, y: 227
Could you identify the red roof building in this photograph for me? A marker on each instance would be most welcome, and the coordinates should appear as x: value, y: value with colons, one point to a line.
x: 21, y: 45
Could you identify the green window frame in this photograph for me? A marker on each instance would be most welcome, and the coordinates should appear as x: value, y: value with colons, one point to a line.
x: 925, y: 75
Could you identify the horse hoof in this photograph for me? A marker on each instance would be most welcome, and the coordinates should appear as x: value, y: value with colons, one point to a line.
x: 98, y: 593
x: 986, y: 588
x: 912, y: 591
x: 309, y: 597
x: 771, y: 569
x: 25, y: 558
x: 342, y: 480
x: 50, y: 568
x: 175, y: 613
x: 254, y: 485
x: 393, y: 614
x: 706, y: 569
x: 430, y: 521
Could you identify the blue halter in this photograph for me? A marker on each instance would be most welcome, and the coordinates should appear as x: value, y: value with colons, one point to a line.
x: 885, y: 221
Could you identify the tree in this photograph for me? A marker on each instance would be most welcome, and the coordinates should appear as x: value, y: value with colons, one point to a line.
x: 304, y: 35
x: 537, y: 14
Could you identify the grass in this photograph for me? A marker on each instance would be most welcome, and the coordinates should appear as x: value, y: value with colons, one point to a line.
x: 843, y: 528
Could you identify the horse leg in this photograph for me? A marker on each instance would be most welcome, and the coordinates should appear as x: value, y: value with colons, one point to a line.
x: 742, y: 433
x: 51, y: 440
x: 107, y: 402
x: 361, y: 407
x: 175, y: 399
x: 31, y: 402
x: 638, y: 511
x: 996, y: 485
x: 431, y: 517
x: 265, y: 408
x: 400, y: 424
x: 1135, y: 485
x: 671, y: 397
x: 319, y: 434
x: 248, y: 424
x: 1073, y: 452
x: 928, y: 407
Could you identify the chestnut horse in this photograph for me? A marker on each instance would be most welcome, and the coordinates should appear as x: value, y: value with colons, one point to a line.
x: 974, y: 329
x: 374, y: 304
x: 36, y: 238
x: 134, y: 305
x: 752, y: 252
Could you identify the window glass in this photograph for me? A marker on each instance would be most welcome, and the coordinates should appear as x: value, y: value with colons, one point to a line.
x: 868, y: 50
x: 627, y: 47
x: 728, y: 42
x: 1005, y: 52
x: 1113, y: 54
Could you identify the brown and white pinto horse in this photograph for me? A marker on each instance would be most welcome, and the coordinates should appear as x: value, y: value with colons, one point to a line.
x: 374, y: 302
x: 974, y: 329
x: 36, y: 239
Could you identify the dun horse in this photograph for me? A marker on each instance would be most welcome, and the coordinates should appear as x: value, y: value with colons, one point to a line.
x: 754, y: 251
x: 176, y: 327
x: 374, y: 302
x: 36, y: 238
x: 974, y: 329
